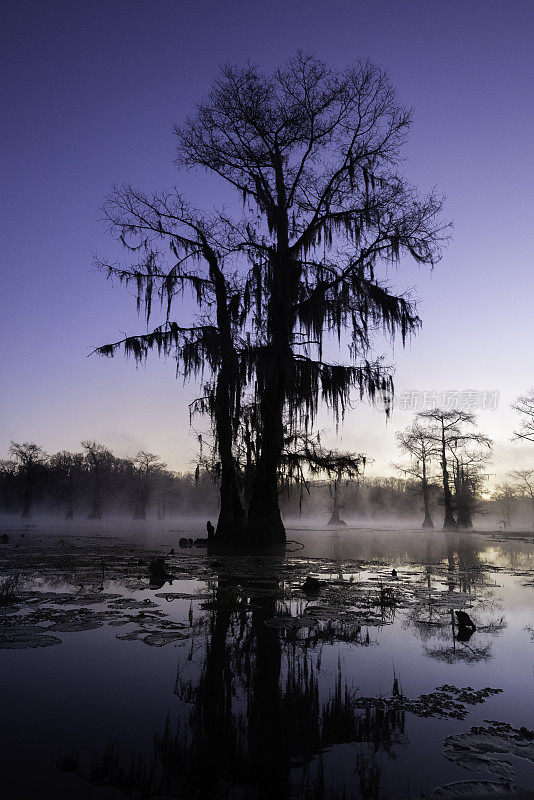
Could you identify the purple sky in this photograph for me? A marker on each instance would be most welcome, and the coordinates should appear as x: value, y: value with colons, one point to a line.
x: 90, y: 92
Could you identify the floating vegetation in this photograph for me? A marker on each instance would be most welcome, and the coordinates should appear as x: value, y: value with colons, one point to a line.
x: 490, y: 748
x: 22, y: 637
x: 354, y: 596
x: 42, y: 613
x: 79, y: 619
x: 471, y: 789
x: 155, y: 638
x: 446, y: 702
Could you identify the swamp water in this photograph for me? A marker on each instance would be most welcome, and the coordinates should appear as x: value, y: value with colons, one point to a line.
x: 228, y: 681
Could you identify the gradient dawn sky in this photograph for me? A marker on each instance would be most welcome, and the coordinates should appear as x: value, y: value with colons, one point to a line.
x: 90, y: 92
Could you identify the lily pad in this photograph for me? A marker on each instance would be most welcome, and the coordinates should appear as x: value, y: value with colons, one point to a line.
x: 22, y: 637
x: 463, y: 789
x: 490, y: 748
x: 445, y: 702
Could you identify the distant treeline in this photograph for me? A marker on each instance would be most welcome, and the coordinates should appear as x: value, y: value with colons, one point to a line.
x: 369, y: 498
x: 93, y: 483
x: 392, y: 499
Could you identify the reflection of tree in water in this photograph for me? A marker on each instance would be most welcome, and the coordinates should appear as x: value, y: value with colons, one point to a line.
x: 434, y: 620
x: 443, y: 642
x: 452, y: 650
x: 256, y: 714
x: 463, y: 563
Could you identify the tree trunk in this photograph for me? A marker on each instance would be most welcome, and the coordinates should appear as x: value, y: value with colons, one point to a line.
x: 96, y: 512
x: 232, y: 523
x: 250, y: 450
x: 449, y: 521
x: 69, y: 514
x: 464, y: 513
x: 143, y: 497
x: 265, y: 521
x: 463, y: 506
x: 264, y: 518
x: 27, y: 504
x: 427, y: 522
x: 335, y: 518
x: 163, y: 509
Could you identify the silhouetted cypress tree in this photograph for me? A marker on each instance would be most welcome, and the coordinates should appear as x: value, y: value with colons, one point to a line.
x: 311, y: 153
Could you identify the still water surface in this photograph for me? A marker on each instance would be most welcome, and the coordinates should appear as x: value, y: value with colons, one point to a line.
x: 228, y: 680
